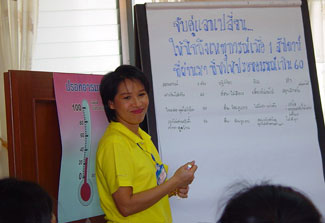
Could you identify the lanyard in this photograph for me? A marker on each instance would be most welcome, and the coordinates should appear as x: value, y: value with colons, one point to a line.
x: 161, y: 173
x: 153, y: 158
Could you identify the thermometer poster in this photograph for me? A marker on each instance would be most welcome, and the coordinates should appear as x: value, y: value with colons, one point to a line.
x: 82, y: 123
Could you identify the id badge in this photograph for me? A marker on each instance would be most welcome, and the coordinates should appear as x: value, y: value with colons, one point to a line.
x: 161, y: 174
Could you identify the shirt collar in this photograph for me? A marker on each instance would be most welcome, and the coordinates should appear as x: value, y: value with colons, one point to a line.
x: 127, y: 132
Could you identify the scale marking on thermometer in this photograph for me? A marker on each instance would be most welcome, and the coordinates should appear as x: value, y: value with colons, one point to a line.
x: 85, y: 187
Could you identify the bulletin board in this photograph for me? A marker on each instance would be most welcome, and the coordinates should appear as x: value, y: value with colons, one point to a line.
x: 235, y: 89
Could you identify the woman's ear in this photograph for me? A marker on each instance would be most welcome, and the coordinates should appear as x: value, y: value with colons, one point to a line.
x: 111, y: 105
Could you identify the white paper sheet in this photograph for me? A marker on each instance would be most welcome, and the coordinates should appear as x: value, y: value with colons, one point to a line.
x: 237, y: 99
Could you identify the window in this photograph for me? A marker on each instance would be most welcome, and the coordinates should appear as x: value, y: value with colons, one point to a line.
x: 77, y: 36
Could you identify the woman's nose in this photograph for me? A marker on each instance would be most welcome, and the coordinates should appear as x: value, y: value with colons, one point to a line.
x: 136, y: 101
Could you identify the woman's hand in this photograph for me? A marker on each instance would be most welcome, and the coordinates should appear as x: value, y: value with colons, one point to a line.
x: 180, y: 192
x: 183, y: 191
x: 129, y: 203
x: 185, y: 175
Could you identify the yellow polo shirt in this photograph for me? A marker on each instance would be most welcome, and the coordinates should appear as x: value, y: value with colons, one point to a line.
x: 121, y: 162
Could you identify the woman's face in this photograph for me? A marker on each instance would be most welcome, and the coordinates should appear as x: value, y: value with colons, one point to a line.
x: 130, y: 103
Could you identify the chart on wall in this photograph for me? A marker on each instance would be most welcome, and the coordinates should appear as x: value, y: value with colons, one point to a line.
x: 82, y: 123
x: 232, y: 91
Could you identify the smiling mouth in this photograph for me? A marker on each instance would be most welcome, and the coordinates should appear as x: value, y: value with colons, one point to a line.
x: 138, y: 111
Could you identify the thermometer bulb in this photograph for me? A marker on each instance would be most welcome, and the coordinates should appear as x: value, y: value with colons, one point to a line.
x: 85, y: 190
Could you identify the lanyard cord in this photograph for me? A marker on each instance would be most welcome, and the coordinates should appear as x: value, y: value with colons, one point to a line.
x: 153, y: 158
x: 161, y: 173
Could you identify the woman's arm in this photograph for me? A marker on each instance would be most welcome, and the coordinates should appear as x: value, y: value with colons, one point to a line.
x: 129, y: 203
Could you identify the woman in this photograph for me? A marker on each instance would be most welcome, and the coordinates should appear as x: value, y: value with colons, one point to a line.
x: 131, y: 179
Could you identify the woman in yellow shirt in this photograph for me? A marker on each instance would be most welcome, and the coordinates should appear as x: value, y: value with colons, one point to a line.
x: 132, y: 181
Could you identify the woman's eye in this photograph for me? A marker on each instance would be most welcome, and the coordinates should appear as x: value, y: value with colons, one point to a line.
x: 142, y: 94
x: 126, y: 97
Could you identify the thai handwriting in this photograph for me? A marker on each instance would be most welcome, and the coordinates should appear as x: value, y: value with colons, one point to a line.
x: 224, y: 82
x: 239, y: 66
x: 232, y: 93
x: 268, y: 90
x: 170, y: 84
x: 187, y: 47
x: 268, y: 121
x: 283, y: 45
x: 224, y: 22
x: 235, y: 107
x: 263, y: 106
x: 175, y: 94
x: 179, y: 124
x: 189, y: 70
x: 241, y: 121
x: 180, y: 110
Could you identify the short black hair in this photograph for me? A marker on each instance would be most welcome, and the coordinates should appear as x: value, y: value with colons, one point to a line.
x: 270, y: 204
x: 111, y: 81
x: 24, y: 202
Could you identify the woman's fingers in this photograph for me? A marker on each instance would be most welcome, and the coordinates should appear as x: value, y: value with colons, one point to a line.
x: 183, y: 191
x: 181, y: 195
x: 185, y: 173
